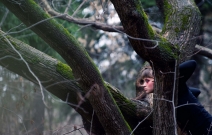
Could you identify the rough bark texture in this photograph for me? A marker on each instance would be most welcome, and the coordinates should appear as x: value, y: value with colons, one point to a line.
x: 145, y: 41
x: 203, y: 51
x: 182, y: 25
x: 83, y: 67
x: 164, y: 102
x: 57, y: 78
x: 176, y: 43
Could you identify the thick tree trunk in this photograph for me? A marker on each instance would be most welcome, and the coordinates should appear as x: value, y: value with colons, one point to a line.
x: 62, y: 83
x: 164, y: 101
x: 77, y: 58
x: 176, y: 41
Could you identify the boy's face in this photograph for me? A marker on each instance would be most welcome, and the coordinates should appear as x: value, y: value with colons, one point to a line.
x: 148, y: 84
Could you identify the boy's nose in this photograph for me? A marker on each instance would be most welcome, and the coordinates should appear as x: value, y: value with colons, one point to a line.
x: 143, y: 85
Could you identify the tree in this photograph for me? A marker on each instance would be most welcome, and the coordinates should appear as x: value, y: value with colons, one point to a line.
x: 114, y: 113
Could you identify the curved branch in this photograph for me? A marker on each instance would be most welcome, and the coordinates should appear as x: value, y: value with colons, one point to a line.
x: 102, y: 26
x: 75, y: 55
x: 57, y: 78
x: 93, y: 24
x: 146, y: 42
x: 204, y: 51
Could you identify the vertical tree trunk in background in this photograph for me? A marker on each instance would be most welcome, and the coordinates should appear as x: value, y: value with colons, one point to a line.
x: 37, y: 119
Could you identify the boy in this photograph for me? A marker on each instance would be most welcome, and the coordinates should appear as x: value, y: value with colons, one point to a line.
x: 145, y: 84
x: 193, y: 118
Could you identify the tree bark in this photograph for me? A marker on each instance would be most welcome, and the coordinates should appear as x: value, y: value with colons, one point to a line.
x: 182, y: 22
x: 164, y: 52
x: 57, y: 78
x: 77, y: 58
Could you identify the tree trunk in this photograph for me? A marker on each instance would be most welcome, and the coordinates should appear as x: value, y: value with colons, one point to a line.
x: 164, y: 52
x: 164, y: 101
x: 173, y: 46
x: 62, y: 83
x: 83, y: 67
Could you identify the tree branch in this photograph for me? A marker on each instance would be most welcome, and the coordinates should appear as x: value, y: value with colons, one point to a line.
x: 102, y: 26
x: 147, y: 44
x: 182, y: 24
x: 93, y: 24
x: 57, y: 78
x: 77, y: 58
x: 204, y: 51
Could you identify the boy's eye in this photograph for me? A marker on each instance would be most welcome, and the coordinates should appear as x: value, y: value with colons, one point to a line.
x: 141, y: 81
x: 146, y: 80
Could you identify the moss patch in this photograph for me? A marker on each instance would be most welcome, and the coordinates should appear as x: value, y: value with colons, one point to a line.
x: 168, y: 49
x: 139, y: 9
x: 64, y: 70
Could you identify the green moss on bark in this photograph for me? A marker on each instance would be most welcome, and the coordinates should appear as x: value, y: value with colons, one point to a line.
x: 139, y: 9
x: 170, y: 51
x: 64, y: 70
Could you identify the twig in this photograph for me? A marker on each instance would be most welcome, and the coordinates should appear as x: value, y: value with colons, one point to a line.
x: 33, y: 25
x: 186, y: 105
x: 141, y: 122
x: 209, y: 129
x: 78, y: 8
x: 4, y: 17
x: 68, y: 6
x: 74, y: 130
x: 173, y: 96
x: 91, y: 122
x: 41, y: 87
x: 17, y: 116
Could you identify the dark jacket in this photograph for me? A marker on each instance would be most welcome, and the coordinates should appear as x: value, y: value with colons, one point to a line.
x: 191, y: 115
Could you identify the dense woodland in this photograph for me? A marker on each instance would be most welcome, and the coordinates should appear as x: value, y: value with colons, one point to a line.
x: 46, y: 84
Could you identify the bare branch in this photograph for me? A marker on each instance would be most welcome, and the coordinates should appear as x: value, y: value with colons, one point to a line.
x: 4, y: 17
x: 68, y: 6
x: 102, y: 26
x: 78, y: 8
x: 201, y: 50
x: 93, y: 24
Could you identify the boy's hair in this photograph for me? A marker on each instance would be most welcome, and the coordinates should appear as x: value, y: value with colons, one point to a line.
x: 146, y: 71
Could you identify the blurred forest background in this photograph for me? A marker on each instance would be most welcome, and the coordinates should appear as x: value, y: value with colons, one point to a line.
x: 21, y: 107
